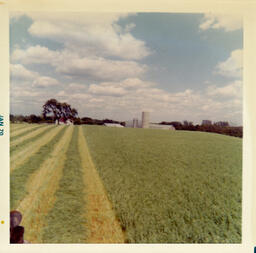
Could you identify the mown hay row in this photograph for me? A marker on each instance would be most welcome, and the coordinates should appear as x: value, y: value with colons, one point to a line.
x: 14, y: 127
x: 41, y: 188
x: 20, y: 176
x: 29, y: 135
x: 20, y: 156
x: 66, y: 220
x: 103, y: 227
x: 21, y: 131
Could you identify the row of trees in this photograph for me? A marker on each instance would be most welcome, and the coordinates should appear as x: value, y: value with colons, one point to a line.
x: 54, y: 111
x: 50, y: 119
x: 214, y: 128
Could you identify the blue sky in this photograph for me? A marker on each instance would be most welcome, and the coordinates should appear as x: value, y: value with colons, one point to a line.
x: 115, y: 65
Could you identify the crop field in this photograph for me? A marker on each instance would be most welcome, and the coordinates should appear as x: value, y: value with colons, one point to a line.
x: 94, y: 184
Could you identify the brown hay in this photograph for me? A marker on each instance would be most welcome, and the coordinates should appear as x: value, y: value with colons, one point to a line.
x: 29, y: 135
x: 21, y: 156
x: 103, y: 225
x: 42, y: 186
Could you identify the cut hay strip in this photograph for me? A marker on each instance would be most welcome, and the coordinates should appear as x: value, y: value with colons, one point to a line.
x: 19, y: 177
x: 20, y: 156
x: 42, y: 186
x: 14, y: 127
x: 30, y: 135
x: 25, y: 131
x: 66, y: 219
x: 103, y: 225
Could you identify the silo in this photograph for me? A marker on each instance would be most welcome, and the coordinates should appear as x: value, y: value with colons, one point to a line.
x: 135, y: 123
x: 145, y: 119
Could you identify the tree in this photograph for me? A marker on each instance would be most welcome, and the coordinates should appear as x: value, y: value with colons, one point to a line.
x: 59, y: 110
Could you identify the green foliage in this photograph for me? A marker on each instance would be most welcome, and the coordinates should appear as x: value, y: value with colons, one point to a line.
x: 171, y: 186
x: 58, y: 110
x: 66, y: 220
x: 20, y: 175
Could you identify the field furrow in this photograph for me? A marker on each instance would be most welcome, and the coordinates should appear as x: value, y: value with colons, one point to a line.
x: 66, y: 220
x: 41, y: 188
x: 19, y: 156
x: 29, y: 135
x: 20, y: 176
x: 103, y: 226
x: 20, y: 132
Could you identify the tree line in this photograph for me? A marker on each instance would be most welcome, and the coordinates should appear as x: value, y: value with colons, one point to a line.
x: 55, y: 111
x: 220, y: 127
x: 32, y: 118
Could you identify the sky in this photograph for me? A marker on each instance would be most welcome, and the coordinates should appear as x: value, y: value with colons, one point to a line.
x: 116, y: 65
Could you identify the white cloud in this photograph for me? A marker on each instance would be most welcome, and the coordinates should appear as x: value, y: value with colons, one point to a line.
x: 18, y: 71
x: 228, y: 22
x: 36, y: 54
x: 90, y: 34
x: 77, y: 86
x: 29, y: 78
x: 71, y: 64
x: 45, y: 81
x: 119, y: 88
x: 101, y: 68
x: 233, y: 90
x: 106, y: 90
x: 233, y: 66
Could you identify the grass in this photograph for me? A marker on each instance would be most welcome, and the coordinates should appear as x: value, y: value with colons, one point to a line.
x: 171, y: 186
x: 66, y: 220
x: 42, y: 186
x: 17, y: 147
x: 14, y: 126
x: 30, y: 130
x: 19, y: 176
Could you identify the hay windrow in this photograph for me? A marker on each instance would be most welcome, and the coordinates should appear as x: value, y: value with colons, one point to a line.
x: 19, y: 177
x: 42, y: 186
x: 102, y: 224
x: 19, y: 156
x: 66, y: 220
x: 21, y: 132
x: 14, y: 127
x: 30, y: 136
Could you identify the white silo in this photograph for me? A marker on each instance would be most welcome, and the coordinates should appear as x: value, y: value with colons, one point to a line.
x: 145, y: 120
x: 135, y: 123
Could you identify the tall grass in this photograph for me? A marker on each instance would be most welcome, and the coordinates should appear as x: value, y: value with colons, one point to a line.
x: 171, y: 186
x: 66, y: 220
x: 19, y: 176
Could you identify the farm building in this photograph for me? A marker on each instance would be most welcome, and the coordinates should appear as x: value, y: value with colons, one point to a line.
x: 62, y: 121
x: 145, y: 123
x: 112, y: 125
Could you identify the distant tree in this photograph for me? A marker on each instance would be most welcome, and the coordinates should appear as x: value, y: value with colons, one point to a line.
x: 58, y: 110
x: 12, y: 119
x: 33, y: 118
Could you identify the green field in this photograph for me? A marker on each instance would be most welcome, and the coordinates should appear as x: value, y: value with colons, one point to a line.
x: 171, y: 186
x: 163, y: 186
